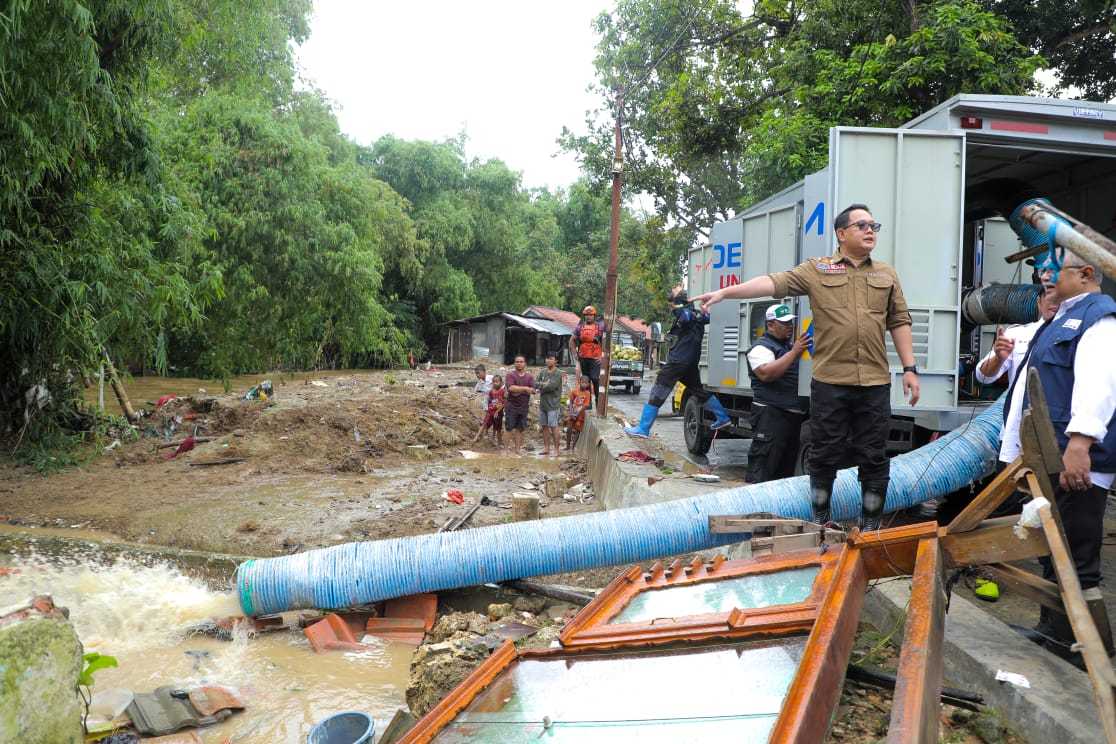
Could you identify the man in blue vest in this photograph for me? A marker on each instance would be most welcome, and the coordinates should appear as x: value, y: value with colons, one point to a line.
x: 1073, y: 356
x: 681, y: 365
x: 777, y: 411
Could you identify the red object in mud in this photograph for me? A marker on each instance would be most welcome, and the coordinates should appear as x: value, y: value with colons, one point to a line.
x: 186, y: 446
x: 635, y: 456
x: 163, y: 400
x: 423, y: 606
x: 332, y: 633
x: 455, y: 496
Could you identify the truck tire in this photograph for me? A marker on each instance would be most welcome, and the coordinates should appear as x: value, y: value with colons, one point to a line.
x: 802, y: 462
x: 628, y: 388
x: 635, y: 388
x: 696, y: 432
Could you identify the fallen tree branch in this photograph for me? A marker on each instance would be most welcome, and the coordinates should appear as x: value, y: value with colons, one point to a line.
x: 549, y: 590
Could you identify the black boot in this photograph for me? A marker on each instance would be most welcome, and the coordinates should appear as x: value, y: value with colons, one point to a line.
x: 819, y: 501
x: 1100, y: 617
x: 873, y: 505
x: 1041, y: 631
x: 1060, y: 640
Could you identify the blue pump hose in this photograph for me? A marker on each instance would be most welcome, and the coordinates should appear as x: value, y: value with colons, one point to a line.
x: 359, y: 573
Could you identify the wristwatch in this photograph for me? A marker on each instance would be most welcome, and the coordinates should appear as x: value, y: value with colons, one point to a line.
x: 912, y: 368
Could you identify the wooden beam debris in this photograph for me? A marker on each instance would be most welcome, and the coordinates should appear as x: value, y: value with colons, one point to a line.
x: 915, y: 708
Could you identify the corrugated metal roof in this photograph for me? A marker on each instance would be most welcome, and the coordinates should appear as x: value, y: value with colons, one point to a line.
x: 552, y: 327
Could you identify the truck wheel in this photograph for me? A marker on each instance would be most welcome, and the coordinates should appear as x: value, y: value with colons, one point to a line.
x: 635, y: 389
x: 628, y: 388
x: 697, y: 434
x: 801, y: 463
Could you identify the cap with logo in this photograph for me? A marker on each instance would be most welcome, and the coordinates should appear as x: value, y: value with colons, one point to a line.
x: 779, y: 312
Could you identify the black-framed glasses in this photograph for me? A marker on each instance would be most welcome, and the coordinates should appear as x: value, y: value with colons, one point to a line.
x: 865, y: 225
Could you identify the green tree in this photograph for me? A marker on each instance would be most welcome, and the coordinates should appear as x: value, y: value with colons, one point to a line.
x: 81, y: 201
x: 723, y: 108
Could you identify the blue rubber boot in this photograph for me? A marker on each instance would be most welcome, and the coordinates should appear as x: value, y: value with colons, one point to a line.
x: 646, y: 419
x: 720, y: 416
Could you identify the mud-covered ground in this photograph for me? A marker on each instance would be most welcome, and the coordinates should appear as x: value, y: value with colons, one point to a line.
x: 344, y: 457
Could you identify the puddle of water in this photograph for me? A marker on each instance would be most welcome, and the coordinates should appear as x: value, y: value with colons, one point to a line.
x: 139, y: 614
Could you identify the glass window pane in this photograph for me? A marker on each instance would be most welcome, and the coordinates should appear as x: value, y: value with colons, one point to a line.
x: 727, y: 692
x: 744, y: 592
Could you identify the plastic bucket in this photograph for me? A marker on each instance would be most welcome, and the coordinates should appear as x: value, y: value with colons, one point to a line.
x: 343, y: 728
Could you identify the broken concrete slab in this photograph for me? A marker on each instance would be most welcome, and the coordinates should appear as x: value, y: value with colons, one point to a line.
x: 1059, y: 704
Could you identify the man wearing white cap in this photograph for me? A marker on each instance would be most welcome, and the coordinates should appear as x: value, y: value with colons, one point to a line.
x: 777, y: 410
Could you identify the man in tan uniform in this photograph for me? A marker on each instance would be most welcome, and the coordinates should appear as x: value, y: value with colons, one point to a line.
x: 854, y: 300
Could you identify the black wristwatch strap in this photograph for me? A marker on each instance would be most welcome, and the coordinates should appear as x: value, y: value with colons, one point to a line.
x: 912, y: 368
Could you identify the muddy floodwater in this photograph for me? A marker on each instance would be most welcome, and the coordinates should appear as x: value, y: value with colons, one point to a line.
x: 141, y: 615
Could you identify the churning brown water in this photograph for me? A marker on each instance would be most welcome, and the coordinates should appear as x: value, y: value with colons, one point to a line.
x: 140, y: 614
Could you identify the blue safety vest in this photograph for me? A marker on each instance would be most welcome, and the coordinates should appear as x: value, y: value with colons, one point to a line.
x: 1053, y: 354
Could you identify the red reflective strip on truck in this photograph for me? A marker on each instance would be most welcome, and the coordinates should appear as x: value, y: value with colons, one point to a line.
x: 1020, y: 126
x: 1110, y: 135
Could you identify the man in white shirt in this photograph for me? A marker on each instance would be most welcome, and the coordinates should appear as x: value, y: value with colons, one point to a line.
x: 1073, y: 356
x: 1005, y: 358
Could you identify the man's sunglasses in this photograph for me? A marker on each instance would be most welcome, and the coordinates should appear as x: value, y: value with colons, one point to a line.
x: 865, y: 225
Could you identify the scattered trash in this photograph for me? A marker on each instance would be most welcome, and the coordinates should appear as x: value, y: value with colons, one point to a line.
x: 318, y: 383
x: 514, y: 631
x: 343, y: 728
x: 706, y: 478
x: 1016, y: 679
x: 197, y: 440
x: 185, y: 445
x: 114, y: 445
x: 356, y: 434
x: 163, y: 400
x: 106, y: 706
x: 638, y: 456
x: 529, y: 486
x: 171, y: 708
x: 263, y: 391
x: 1030, y: 517
x: 331, y: 633
x: 470, y: 455
x: 454, y: 496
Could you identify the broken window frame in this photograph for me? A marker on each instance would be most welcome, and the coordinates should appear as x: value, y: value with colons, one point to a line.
x: 592, y: 626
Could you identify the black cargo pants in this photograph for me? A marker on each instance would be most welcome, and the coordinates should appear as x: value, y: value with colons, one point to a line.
x: 1082, y: 514
x: 848, y: 427
x: 774, y: 450
x: 672, y: 372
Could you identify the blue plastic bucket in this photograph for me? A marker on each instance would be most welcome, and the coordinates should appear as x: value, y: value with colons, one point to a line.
x: 343, y: 728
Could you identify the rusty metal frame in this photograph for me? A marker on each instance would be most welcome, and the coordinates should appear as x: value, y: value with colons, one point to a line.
x: 591, y: 626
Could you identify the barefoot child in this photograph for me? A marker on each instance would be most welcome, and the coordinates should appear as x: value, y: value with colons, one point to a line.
x: 580, y: 398
x: 494, y: 412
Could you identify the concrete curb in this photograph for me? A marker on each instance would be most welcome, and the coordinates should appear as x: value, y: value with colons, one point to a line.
x: 622, y: 484
x: 1058, y: 707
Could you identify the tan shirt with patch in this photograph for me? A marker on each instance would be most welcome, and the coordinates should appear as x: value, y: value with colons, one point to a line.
x: 853, y: 306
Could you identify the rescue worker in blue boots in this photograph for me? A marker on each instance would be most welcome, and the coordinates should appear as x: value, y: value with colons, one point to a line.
x: 777, y: 411
x: 1073, y: 356
x: 681, y: 366
x: 856, y: 300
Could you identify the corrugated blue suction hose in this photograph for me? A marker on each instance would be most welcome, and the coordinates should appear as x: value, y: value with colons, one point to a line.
x: 359, y: 573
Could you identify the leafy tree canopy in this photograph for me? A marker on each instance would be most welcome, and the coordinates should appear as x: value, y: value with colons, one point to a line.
x: 723, y: 108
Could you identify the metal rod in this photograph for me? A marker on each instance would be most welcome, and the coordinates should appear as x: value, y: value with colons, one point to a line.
x: 1075, y: 237
x: 610, y: 277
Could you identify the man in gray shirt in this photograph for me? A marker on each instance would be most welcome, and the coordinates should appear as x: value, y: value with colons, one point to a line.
x: 549, y: 383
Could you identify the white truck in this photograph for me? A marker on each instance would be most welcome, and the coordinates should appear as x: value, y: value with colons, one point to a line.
x: 921, y: 181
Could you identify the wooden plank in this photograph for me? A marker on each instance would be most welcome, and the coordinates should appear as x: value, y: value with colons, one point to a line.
x: 1027, y: 584
x: 891, y: 552
x: 915, y: 707
x: 1002, y: 486
x: 1084, y: 630
x: 993, y: 542
x: 1040, y: 445
x: 813, y: 696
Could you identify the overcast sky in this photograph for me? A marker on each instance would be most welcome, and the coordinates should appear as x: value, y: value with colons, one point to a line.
x: 510, y: 73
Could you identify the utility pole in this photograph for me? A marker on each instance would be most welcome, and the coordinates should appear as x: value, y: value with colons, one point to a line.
x: 613, y: 248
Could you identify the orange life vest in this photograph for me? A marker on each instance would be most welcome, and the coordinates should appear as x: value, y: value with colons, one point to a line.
x: 589, y: 338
